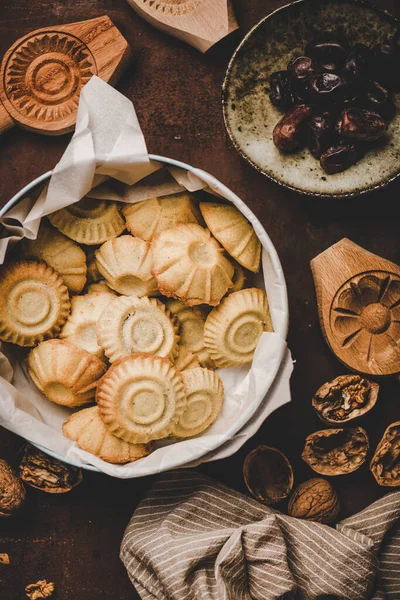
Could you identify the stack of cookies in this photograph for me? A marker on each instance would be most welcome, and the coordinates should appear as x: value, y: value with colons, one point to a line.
x: 129, y: 309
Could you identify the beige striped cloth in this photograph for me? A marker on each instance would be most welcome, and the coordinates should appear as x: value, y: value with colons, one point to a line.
x: 194, y: 539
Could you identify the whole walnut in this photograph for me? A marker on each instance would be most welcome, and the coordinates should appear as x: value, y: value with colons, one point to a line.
x: 315, y: 500
x: 12, y: 491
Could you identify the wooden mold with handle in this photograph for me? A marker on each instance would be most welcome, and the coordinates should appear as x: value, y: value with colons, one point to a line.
x: 43, y: 73
x: 200, y: 23
x: 358, y: 295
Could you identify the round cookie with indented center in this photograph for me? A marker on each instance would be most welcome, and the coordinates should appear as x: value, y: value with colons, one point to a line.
x: 141, y: 398
x: 190, y: 265
x: 233, y: 329
x: 204, y: 397
x: 91, y: 434
x: 34, y: 303
x: 125, y: 264
x: 130, y: 325
x: 89, y: 221
x: 66, y: 375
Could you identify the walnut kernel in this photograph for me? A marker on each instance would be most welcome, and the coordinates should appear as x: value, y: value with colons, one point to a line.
x: 40, y: 589
x: 48, y: 474
x: 336, y: 451
x: 345, y: 398
x: 12, y: 491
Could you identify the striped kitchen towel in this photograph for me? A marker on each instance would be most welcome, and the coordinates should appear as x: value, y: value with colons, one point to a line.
x: 194, y: 539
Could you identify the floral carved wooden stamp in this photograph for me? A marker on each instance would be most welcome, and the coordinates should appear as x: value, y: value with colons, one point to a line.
x: 43, y: 73
x: 358, y: 296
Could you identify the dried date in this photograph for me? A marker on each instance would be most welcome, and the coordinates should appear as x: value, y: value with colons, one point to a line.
x: 339, y: 158
x: 315, y: 500
x: 319, y: 134
x: 268, y: 474
x: 46, y: 473
x: 361, y: 125
x: 282, y: 92
x: 287, y: 135
x: 358, y: 62
x: 385, y: 464
x: 336, y: 451
x: 345, y: 398
x: 328, y: 51
x: 301, y: 67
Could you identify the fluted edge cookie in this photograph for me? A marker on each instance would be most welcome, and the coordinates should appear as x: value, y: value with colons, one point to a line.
x: 34, y: 303
x: 234, y: 232
x: 89, y: 221
x: 204, y: 397
x: 125, y: 263
x: 233, y: 329
x: 64, y: 373
x: 91, y: 434
x: 60, y: 253
x: 135, y: 325
x: 189, y: 264
x: 141, y: 397
x: 149, y: 217
x: 80, y: 328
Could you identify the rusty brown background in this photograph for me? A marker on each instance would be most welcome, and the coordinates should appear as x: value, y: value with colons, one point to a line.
x: 74, y: 539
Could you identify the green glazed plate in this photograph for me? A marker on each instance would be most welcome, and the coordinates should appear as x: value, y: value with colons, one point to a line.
x: 250, y: 117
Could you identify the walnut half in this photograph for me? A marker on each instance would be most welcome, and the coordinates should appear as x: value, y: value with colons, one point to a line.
x: 12, y: 491
x: 336, y: 451
x: 385, y: 464
x: 48, y: 474
x: 345, y: 398
x: 40, y: 589
x: 268, y: 474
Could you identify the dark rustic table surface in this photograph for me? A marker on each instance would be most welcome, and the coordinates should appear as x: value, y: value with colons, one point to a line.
x: 74, y: 539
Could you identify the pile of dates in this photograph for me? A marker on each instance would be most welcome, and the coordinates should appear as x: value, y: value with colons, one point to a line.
x: 339, y: 99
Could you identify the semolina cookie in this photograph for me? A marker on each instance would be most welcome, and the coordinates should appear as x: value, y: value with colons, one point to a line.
x: 34, y: 303
x: 234, y: 232
x: 89, y: 221
x: 91, y: 434
x: 60, y: 253
x: 147, y: 218
x: 100, y: 286
x: 239, y: 278
x: 191, y: 330
x: 141, y: 398
x: 93, y: 273
x: 64, y: 373
x: 125, y: 263
x: 233, y: 328
x: 80, y: 328
x: 186, y: 360
x: 204, y: 397
x: 130, y: 325
x: 190, y: 265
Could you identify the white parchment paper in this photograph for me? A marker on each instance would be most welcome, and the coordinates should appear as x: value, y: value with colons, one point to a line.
x: 108, y: 143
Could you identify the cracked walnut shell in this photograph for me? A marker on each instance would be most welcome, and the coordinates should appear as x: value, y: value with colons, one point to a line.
x: 314, y: 500
x: 268, y: 474
x: 345, y: 398
x: 336, y: 451
x: 46, y: 473
x: 385, y: 464
x: 12, y: 491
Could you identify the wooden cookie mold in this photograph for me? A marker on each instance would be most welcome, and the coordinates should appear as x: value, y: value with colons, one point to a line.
x: 200, y: 23
x: 43, y: 73
x: 358, y: 295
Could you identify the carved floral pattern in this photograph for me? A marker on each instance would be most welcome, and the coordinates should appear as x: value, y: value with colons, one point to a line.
x: 173, y: 7
x: 366, y: 317
x: 45, y: 74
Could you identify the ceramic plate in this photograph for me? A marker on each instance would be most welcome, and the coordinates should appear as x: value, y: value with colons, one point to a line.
x: 250, y: 117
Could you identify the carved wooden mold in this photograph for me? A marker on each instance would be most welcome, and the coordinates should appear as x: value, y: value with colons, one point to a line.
x: 200, y: 23
x: 43, y: 73
x: 358, y: 296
